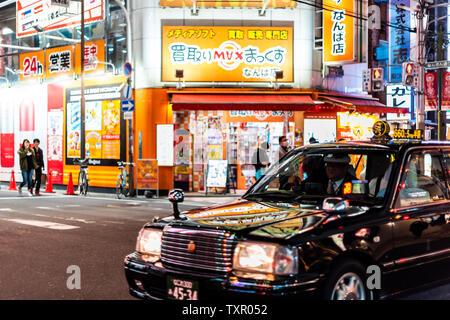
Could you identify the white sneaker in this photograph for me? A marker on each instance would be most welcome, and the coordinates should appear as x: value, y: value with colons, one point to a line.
x: 30, y: 194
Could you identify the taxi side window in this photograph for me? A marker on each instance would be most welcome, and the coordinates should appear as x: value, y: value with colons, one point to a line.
x: 423, y: 180
x: 447, y: 165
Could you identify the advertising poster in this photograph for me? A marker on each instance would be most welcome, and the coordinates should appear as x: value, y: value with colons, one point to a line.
x: 352, y: 126
x: 147, y: 174
x: 55, y: 135
x: 105, y: 129
x: 110, y: 138
x: 224, y: 54
x: 217, y: 174
x: 445, y: 106
x: 431, y: 91
x: 73, y: 130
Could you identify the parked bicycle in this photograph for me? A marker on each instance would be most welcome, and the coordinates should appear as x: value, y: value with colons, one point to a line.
x: 83, y: 181
x: 123, y: 185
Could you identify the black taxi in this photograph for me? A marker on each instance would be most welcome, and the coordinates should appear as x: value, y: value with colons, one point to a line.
x: 339, y: 221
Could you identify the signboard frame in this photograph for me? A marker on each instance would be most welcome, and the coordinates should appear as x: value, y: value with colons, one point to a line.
x: 159, y: 143
x: 224, y: 179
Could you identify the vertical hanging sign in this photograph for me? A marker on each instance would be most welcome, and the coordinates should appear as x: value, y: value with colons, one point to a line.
x: 399, y: 38
x: 338, y: 35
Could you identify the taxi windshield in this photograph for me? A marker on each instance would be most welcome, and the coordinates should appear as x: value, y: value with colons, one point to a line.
x: 353, y: 174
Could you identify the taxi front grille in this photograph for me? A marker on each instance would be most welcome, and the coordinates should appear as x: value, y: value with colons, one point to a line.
x: 209, y: 250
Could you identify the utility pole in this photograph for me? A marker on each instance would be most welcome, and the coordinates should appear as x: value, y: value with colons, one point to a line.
x: 420, y: 110
x: 82, y: 102
x: 440, y: 76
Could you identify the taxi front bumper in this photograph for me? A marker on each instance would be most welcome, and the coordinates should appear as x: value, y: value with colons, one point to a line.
x: 149, y: 281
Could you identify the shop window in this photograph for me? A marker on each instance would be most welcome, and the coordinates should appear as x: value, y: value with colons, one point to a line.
x: 423, y: 180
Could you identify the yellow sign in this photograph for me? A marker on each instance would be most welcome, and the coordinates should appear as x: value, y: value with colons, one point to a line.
x: 225, y: 54
x: 59, y: 62
x: 408, y: 134
x: 338, y: 30
x: 32, y: 65
x: 352, y: 126
x: 228, y: 4
x: 147, y: 174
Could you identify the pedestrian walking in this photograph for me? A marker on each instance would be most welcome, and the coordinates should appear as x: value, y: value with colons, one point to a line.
x: 41, y: 167
x: 27, y: 165
x: 260, y: 159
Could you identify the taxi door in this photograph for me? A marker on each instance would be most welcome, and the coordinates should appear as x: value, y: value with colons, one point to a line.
x: 418, y: 218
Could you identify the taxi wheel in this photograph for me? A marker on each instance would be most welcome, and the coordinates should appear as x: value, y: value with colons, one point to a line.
x: 347, y: 281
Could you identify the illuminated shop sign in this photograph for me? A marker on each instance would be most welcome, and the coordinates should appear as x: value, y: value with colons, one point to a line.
x: 228, y: 3
x: 338, y: 36
x: 224, y: 54
x: 399, y: 96
x: 353, y: 126
x: 31, y: 13
x: 399, y: 39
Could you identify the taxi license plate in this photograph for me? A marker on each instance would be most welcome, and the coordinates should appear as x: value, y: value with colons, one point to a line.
x: 179, y: 289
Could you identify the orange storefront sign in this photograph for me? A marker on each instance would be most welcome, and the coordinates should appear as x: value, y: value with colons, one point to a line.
x: 228, y: 4
x: 59, y: 62
x: 225, y: 54
x: 338, y: 30
x: 32, y: 65
x: 93, y: 51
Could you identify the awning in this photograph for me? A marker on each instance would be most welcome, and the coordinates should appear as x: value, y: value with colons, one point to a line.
x: 362, y: 105
x: 283, y: 102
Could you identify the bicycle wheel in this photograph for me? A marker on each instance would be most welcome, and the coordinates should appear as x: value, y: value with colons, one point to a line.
x: 82, y: 183
x: 119, y: 187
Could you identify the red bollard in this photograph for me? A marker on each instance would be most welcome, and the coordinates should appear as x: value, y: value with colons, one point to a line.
x: 70, y: 191
x: 12, y: 183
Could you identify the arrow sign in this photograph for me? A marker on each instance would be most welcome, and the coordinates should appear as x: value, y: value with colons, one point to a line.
x: 127, y: 105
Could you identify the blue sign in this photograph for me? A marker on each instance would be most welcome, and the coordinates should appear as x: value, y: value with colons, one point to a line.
x: 127, y: 105
x: 127, y: 69
x: 399, y: 39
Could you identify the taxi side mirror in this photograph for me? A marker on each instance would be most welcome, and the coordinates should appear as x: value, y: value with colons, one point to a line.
x: 335, y: 205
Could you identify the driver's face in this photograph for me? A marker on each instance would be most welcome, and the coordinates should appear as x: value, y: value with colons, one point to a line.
x: 335, y: 171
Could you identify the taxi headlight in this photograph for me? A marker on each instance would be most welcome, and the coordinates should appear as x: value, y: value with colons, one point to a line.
x: 265, y: 258
x: 149, y: 243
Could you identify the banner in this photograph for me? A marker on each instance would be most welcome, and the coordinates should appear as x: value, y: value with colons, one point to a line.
x: 431, y: 91
x: 32, y: 66
x: 338, y: 31
x: 445, y: 103
x: 399, y: 38
x: 228, y: 4
x: 61, y: 62
x: 30, y: 13
x: 227, y: 54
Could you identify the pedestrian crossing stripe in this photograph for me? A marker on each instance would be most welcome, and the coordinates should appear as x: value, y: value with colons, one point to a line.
x: 43, y: 224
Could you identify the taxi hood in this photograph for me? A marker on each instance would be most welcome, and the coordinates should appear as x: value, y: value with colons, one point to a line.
x: 254, y: 218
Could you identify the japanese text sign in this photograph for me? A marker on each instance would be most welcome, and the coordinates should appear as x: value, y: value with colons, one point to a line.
x: 338, y: 25
x: 42, y: 13
x: 228, y: 3
x: 399, y: 96
x: 32, y: 65
x: 399, y: 39
x: 59, y: 61
x: 93, y: 51
x: 224, y: 54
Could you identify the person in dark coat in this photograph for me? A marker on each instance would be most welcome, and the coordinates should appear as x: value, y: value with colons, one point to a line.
x: 337, y: 169
x: 260, y: 159
x: 27, y: 165
x: 41, y: 167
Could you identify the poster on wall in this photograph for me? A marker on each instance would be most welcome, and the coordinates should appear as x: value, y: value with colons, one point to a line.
x: 147, y: 174
x: 431, y: 91
x: 23, y: 115
x: 445, y: 106
x: 217, y: 174
x: 351, y: 126
x: 105, y: 129
x: 55, y: 135
x: 224, y: 54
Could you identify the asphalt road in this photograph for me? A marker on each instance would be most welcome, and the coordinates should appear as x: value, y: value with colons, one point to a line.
x: 42, y: 238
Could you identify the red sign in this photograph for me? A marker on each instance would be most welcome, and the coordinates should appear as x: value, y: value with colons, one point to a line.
x: 445, y: 104
x: 7, y: 150
x: 431, y: 91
